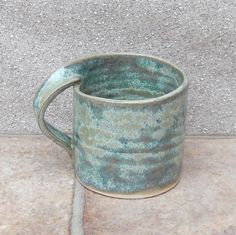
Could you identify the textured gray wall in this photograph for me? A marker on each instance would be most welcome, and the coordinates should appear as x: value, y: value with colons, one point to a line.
x: 36, y: 37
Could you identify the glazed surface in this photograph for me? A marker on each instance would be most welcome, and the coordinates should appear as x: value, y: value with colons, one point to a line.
x: 129, y: 122
x: 129, y: 78
x: 127, y: 148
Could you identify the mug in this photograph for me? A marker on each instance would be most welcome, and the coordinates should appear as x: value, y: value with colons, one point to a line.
x: 128, y: 122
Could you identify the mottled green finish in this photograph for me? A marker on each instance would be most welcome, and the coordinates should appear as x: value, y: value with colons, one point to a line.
x: 129, y: 122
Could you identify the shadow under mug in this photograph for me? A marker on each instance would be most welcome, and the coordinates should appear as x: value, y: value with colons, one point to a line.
x: 128, y: 125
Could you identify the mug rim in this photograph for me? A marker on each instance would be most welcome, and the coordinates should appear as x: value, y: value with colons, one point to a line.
x: 169, y: 95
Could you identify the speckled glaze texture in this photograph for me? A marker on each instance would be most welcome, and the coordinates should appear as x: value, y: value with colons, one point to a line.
x: 129, y: 122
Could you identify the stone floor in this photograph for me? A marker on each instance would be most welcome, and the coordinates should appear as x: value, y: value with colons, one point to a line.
x: 36, y: 187
x: 36, y: 194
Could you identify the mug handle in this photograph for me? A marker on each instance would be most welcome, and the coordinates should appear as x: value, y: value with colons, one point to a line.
x: 54, y: 85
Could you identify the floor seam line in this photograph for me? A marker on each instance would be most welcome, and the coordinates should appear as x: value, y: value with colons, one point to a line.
x: 77, y: 215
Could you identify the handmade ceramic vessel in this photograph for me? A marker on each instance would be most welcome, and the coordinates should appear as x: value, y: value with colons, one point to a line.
x: 129, y: 122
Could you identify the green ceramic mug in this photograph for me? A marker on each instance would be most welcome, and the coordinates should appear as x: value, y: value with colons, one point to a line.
x: 129, y: 122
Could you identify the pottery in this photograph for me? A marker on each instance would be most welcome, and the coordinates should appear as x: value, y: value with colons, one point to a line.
x: 129, y: 122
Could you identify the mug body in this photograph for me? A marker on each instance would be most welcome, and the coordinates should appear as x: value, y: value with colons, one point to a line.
x: 129, y: 125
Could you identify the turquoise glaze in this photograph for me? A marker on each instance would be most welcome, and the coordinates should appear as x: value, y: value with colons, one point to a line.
x: 129, y: 122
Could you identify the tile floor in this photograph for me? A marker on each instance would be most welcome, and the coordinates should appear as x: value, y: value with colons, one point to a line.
x: 36, y: 194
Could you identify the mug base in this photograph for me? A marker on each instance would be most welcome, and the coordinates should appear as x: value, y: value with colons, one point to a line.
x: 136, y: 195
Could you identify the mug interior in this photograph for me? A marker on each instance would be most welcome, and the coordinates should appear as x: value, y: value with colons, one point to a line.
x: 129, y: 77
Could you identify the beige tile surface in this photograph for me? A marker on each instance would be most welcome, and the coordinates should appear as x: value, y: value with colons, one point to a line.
x: 36, y: 190
x: 204, y: 202
x: 36, y: 187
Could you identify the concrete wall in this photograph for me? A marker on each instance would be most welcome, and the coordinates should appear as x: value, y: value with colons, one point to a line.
x: 36, y: 37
